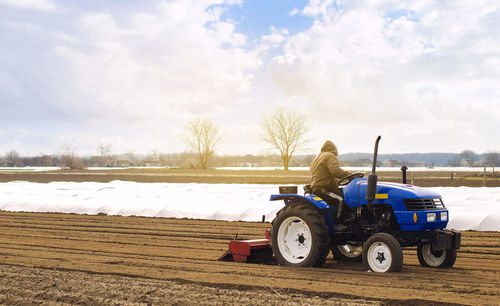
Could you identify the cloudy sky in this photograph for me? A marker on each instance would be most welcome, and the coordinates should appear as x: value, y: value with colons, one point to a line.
x: 423, y: 74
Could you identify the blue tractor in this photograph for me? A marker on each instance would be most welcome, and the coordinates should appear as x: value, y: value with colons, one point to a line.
x: 377, y: 220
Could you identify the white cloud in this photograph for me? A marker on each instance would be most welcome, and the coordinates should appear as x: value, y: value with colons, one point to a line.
x: 138, y: 74
x: 317, y: 8
x: 183, y: 60
x: 424, y: 66
x: 276, y: 37
x: 43, y: 5
x: 293, y: 12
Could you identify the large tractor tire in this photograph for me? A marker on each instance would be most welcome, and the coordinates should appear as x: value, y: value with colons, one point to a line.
x: 347, y: 252
x: 382, y: 253
x: 436, y: 259
x: 300, y: 236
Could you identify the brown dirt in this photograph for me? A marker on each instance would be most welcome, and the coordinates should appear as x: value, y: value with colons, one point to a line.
x: 164, y: 175
x: 80, y: 259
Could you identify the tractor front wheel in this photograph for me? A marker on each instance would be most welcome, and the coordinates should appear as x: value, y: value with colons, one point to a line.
x: 436, y: 259
x: 382, y: 253
x: 300, y: 236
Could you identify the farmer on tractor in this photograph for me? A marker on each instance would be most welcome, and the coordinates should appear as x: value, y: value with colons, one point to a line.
x: 325, y: 175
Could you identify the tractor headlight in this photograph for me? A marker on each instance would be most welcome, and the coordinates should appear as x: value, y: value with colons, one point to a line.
x: 444, y: 216
x: 431, y: 217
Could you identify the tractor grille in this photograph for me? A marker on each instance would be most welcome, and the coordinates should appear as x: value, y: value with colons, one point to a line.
x: 423, y: 204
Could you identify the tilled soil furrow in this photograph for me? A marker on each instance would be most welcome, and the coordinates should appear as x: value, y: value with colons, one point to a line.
x: 201, y: 244
x: 68, y: 231
x: 177, y: 233
x: 146, y: 251
x: 198, y: 244
x: 470, y: 238
x: 170, y: 265
x: 167, y: 272
x: 143, y: 226
x: 148, y: 290
x: 175, y: 236
x: 139, y: 229
x: 410, y: 255
x: 118, y: 258
x: 170, y: 250
x: 482, y: 251
x: 140, y: 223
x: 130, y: 251
x: 27, y: 247
x: 463, y: 263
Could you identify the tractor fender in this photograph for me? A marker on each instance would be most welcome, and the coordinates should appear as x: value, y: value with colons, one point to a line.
x: 312, y: 201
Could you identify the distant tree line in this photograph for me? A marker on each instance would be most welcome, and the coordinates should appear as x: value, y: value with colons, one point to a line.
x: 466, y: 158
x: 153, y: 159
x: 191, y: 160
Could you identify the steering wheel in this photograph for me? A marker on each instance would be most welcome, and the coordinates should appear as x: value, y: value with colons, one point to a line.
x: 347, y: 179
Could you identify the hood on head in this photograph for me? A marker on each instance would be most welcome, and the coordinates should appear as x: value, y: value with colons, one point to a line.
x: 328, y: 146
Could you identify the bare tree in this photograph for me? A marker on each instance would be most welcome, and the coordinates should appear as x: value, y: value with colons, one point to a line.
x: 202, y: 135
x: 468, y: 157
x: 153, y: 158
x: 285, y: 130
x: 131, y: 157
x: 492, y: 159
x: 69, y: 157
x: 105, y: 151
x: 12, y: 158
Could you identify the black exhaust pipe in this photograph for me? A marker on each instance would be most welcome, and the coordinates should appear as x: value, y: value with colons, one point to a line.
x: 403, y: 170
x: 371, y: 188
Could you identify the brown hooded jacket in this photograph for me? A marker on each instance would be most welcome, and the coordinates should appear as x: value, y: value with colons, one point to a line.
x: 325, y: 169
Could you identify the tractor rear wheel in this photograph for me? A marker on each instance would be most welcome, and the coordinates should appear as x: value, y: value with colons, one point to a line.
x: 382, y: 253
x: 300, y: 236
x: 436, y: 259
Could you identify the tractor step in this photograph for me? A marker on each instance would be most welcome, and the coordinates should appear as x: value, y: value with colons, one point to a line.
x: 252, y: 251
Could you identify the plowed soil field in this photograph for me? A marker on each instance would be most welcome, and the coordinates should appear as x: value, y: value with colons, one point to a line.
x: 220, y: 176
x: 80, y: 259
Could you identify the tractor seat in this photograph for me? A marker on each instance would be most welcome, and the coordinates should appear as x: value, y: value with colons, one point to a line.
x: 307, y: 189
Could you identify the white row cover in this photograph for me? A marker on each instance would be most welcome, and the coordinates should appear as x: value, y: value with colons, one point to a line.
x: 470, y: 208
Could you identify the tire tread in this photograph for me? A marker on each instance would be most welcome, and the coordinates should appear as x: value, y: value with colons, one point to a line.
x: 317, y: 225
x: 451, y: 257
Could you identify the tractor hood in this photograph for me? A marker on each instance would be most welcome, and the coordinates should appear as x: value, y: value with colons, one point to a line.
x: 355, y: 192
x: 425, y: 210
